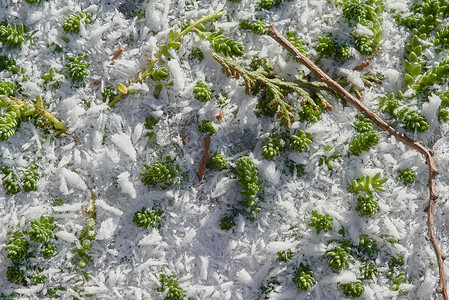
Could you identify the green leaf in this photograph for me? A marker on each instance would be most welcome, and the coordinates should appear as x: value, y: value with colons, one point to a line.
x: 418, y: 50
x: 174, y: 45
x: 415, y: 41
x: 408, y: 66
x: 122, y: 88
x: 171, y: 36
x: 409, y: 79
x: 412, y: 57
x: 416, y: 70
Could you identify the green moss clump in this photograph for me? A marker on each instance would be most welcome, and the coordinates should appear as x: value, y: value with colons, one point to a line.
x: 74, y: 21
x: 202, y: 92
x: 145, y: 218
x: 77, y: 67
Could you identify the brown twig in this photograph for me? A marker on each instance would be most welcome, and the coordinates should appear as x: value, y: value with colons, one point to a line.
x: 362, y: 66
x: 116, y: 54
x: 417, y: 145
x: 204, y: 157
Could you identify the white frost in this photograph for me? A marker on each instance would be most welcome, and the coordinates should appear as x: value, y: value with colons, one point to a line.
x: 123, y: 142
x: 73, y: 179
x: 126, y: 185
x: 107, y: 229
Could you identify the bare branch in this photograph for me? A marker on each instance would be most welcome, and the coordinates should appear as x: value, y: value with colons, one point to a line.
x: 204, y: 158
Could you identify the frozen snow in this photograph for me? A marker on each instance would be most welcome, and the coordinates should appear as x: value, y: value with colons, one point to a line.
x: 105, y: 149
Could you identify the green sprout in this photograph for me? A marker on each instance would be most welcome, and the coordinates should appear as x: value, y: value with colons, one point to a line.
x: 321, y: 222
x: 442, y: 38
x: 41, y: 230
x: 86, y: 237
x: 438, y: 74
x: 247, y: 176
x: 196, y: 54
x: 328, y: 46
x: 354, y: 10
x: 368, y: 272
x: 217, y: 161
x: 266, y: 4
x: 397, y: 280
x: 169, y: 283
x: 146, y: 218
x: 202, y: 92
x: 269, y: 287
x: 108, y: 93
x: 206, y: 127
x: 366, y: 206
x: 259, y: 27
x: 30, y: 179
x: 304, y: 278
x: 309, y: 114
x: 48, y: 251
x: 272, y: 148
x: 15, y: 274
x: 411, y: 119
x: 364, y: 142
x: 58, y: 202
x: 297, y: 169
x: 300, y: 141
x: 17, y: 248
x: 367, y: 245
x: 364, y: 44
x: 12, y: 35
x: 368, y: 184
x: 10, y: 181
x: 150, y: 122
x: 159, y: 173
x: 50, y: 77
x: 344, y: 52
x: 7, y: 88
x: 6, y: 63
x: 74, y: 21
x: 159, y: 74
x: 285, y: 255
x: 222, y: 44
x: 227, y: 222
x: 9, y: 121
x: 362, y: 124
x: 407, y: 175
x: 338, y: 258
x: 297, y: 42
x: 77, y: 68
x: 36, y: 278
x: 353, y: 289
x: 328, y: 160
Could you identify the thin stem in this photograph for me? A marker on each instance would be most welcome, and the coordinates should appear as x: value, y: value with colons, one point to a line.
x: 41, y: 112
x: 177, y: 38
x: 417, y: 145
x: 116, y: 99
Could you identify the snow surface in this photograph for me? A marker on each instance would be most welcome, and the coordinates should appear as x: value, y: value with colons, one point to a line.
x: 112, y: 146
